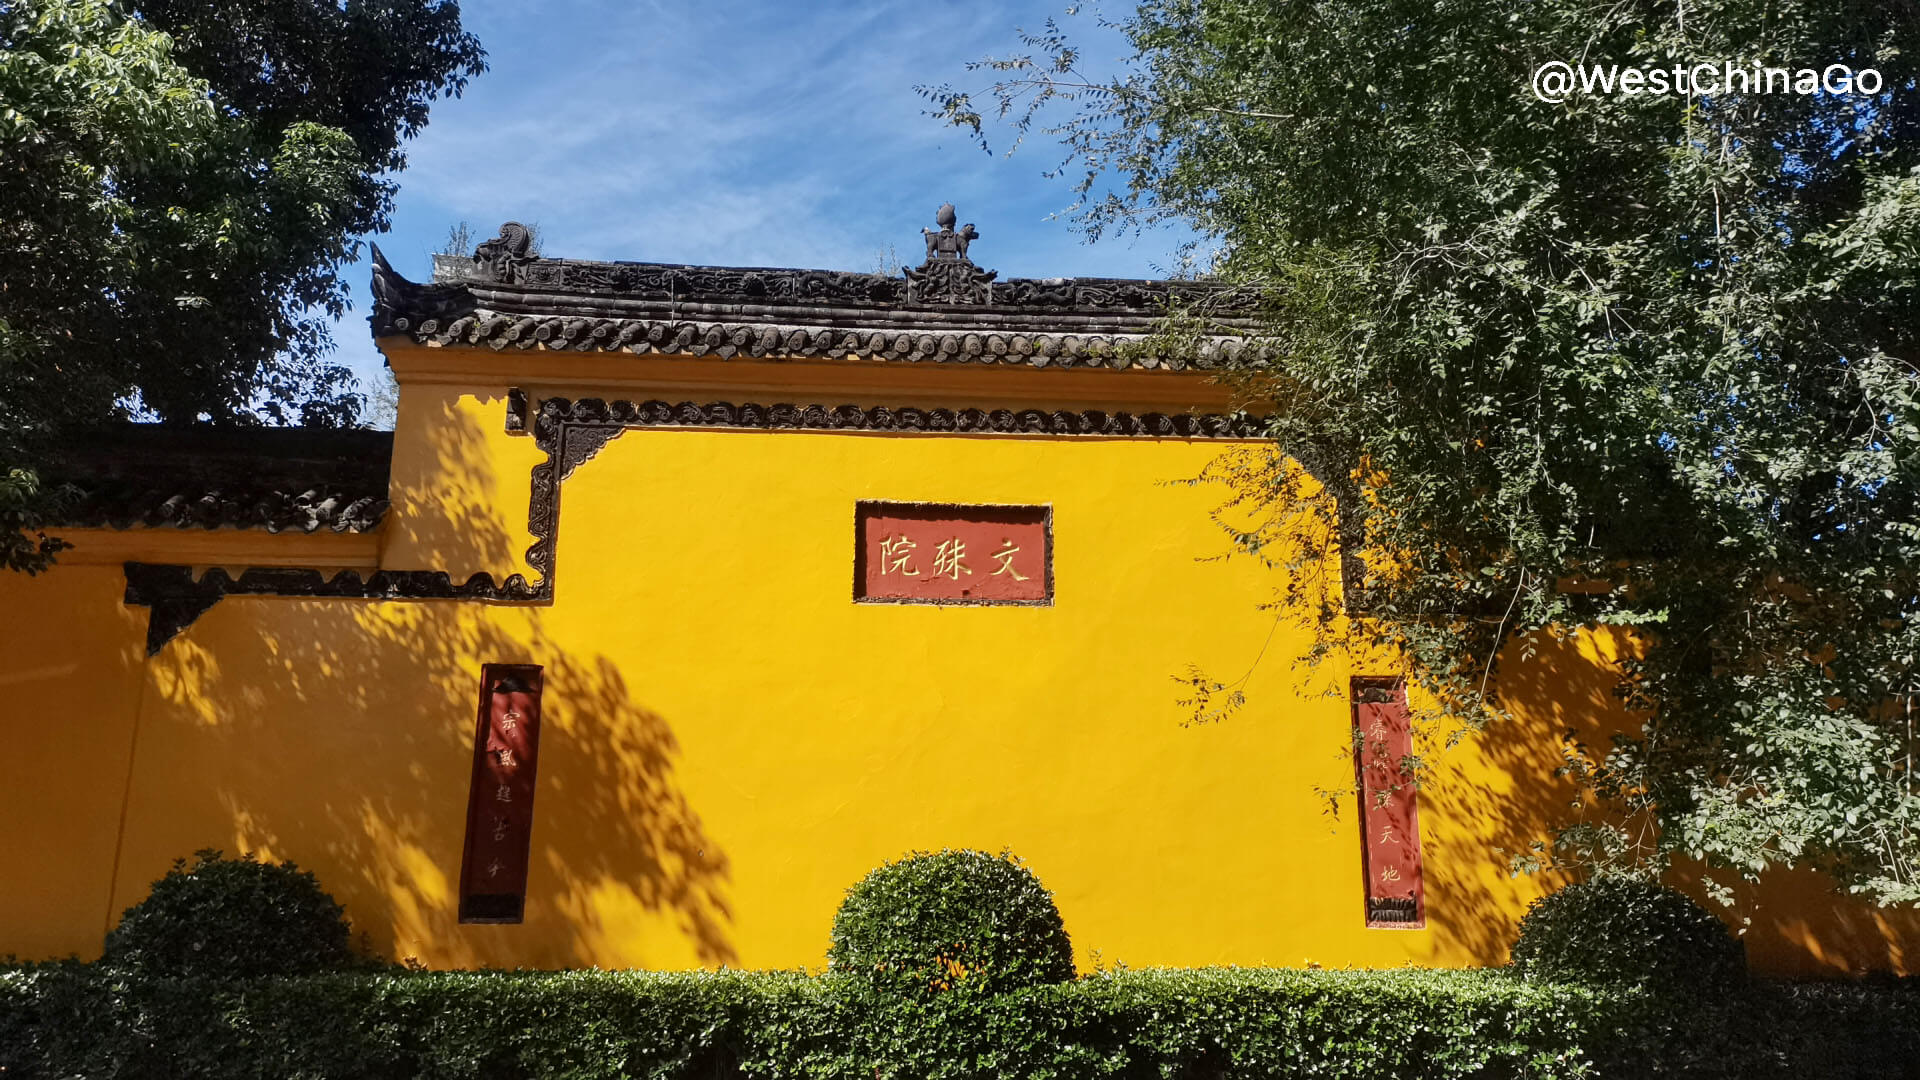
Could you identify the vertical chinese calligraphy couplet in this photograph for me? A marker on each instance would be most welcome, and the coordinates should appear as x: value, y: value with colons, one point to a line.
x: 506, y: 747
x: 941, y: 553
x: 1389, y: 804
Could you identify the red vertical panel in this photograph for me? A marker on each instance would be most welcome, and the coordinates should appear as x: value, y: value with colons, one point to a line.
x: 1389, y: 804
x: 506, y: 748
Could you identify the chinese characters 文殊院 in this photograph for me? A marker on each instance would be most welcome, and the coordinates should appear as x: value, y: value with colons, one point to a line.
x: 949, y: 560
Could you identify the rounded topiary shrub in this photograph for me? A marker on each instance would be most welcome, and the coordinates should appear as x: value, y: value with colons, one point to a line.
x: 954, y: 920
x: 1616, y: 931
x: 232, y: 917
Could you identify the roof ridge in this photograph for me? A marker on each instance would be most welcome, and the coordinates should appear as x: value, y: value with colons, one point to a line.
x: 942, y: 309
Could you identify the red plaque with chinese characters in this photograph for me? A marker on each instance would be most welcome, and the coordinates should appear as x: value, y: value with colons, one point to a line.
x: 941, y: 553
x: 1389, y: 804
x: 506, y: 745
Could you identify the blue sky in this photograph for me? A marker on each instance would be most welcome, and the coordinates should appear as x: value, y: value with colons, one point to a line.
x: 739, y: 132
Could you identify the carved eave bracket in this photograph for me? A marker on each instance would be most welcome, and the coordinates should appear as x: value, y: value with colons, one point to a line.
x: 174, y: 598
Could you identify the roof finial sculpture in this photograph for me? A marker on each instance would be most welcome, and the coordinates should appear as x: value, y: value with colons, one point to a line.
x: 949, y: 276
x: 499, y: 258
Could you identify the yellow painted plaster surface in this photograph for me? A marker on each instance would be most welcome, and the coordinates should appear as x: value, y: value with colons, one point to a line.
x: 70, y: 671
x: 730, y: 740
x: 458, y: 485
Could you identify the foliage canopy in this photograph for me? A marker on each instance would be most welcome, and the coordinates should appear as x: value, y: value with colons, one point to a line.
x: 179, y: 186
x: 1665, y: 343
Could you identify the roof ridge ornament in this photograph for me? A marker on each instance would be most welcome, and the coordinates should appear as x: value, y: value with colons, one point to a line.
x: 500, y: 258
x: 948, y: 276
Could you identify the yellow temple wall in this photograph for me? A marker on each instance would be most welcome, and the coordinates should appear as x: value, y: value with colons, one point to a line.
x: 71, y: 669
x: 729, y: 741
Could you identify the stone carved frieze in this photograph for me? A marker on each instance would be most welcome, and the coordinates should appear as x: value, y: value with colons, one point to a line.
x: 984, y: 344
x: 556, y: 413
x: 709, y: 282
x: 950, y: 282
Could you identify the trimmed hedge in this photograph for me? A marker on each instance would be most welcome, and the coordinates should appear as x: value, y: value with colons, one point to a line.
x: 79, y: 1020
x: 951, y: 921
x: 1616, y: 931
x: 231, y: 917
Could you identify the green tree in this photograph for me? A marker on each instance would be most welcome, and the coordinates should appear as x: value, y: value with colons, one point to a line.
x: 179, y: 186
x: 1661, y: 341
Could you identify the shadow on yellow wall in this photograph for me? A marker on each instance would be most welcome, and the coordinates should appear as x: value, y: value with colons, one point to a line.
x: 1560, y: 692
x: 458, y: 485
x: 1489, y: 794
x: 339, y: 734
x: 72, y: 665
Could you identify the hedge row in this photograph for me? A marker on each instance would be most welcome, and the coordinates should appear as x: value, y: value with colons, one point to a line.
x: 61, y: 1020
